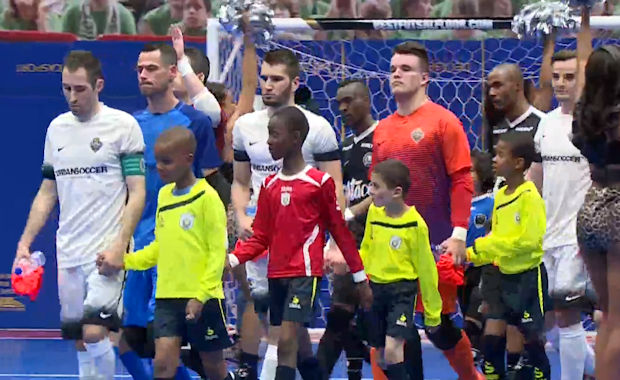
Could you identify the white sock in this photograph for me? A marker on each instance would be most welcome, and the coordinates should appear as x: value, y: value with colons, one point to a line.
x: 105, y: 360
x: 270, y: 363
x: 86, y: 365
x: 589, y: 367
x: 572, y: 352
x: 553, y: 337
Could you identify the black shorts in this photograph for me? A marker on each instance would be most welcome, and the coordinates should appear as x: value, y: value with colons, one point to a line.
x: 292, y: 299
x: 392, y: 312
x: 344, y: 290
x: 469, y: 293
x: 491, y: 289
x: 522, y: 301
x: 207, y: 334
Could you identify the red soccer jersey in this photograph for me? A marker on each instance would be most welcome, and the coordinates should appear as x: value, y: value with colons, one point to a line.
x: 293, y: 215
x: 432, y: 143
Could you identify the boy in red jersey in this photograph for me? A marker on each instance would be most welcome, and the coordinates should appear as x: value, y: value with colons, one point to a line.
x: 431, y: 141
x: 296, y: 206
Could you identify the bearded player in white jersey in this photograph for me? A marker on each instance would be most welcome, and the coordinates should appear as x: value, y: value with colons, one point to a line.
x: 279, y: 79
x: 565, y: 179
x: 93, y: 167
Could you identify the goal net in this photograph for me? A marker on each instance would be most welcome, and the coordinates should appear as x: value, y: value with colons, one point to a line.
x: 458, y: 70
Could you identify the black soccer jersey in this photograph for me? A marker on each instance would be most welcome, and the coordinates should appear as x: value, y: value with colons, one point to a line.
x: 526, y: 123
x: 356, y: 160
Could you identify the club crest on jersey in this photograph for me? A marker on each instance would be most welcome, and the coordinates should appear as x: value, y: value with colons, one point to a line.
x: 480, y: 220
x: 96, y: 144
x: 417, y: 135
x: 285, y: 199
x: 395, y: 242
x: 187, y: 221
x: 367, y: 160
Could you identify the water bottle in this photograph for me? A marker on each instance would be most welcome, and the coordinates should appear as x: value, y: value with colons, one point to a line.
x: 250, y: 209
x: 27, y: 266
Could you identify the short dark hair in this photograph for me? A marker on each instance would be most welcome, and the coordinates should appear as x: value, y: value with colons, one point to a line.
x: 294, y: 119
x: 414, y: 48
x: 521, y: 146
x: 482, y: 163
x: 168, y: 55
x: 394, y: 173
x: 218, y: 90
x: 199, y: 62
x: 284, y: 57
x: 356, y: 81
x: 564, y: 55
x: 77, y: 59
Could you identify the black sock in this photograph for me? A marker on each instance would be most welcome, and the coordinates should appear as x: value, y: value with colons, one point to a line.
x: 474, y: 333
x: 493, y: 349
x: 229, y: 377
x: 396, y: 372
x: 413, y: 358
x: 328, y: 353
x: 285, y: 373
x: 248, y: 366
x: 309, y: 369
x: 356, y: 352
x: 537, y: 359
x: 512, y: 359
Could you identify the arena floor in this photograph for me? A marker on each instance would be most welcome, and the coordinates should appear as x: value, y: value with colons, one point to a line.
x: 41, y: 355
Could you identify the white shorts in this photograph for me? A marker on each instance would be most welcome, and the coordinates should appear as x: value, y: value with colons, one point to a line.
x: 84, y: 293
x: 256, y: 273
x: 567, y: 273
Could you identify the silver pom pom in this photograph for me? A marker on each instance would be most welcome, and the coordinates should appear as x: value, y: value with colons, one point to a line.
x: 582, y: 3
x: 260, y: 17
x: 542, y: 18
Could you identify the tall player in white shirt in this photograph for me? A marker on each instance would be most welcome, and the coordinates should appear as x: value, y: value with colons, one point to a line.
x: 94, y: 168
x: 565, y: 179
x: 279, y: 79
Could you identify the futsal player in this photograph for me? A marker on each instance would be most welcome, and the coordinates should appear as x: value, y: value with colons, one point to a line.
x: 93, y: 167
x: 431, y: 141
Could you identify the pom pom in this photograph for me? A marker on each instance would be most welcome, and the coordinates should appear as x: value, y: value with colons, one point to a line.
x: 260, y: 17
x: 542, y: 18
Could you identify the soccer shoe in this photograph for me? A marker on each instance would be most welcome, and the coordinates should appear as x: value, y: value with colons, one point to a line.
x: 377, y: 371
x: 245, y: 372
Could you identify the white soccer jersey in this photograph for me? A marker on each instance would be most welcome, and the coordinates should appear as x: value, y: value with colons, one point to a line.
x: 566, y: 178
x: 250, y: 135
x: 86, y: 159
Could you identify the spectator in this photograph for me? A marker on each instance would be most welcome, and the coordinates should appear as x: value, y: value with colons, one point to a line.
x: 466, y: 9
x: 374, y: 9
x: 411, y: 8
x: 313, y: 8
x: 195, y: 15
x: 340, y: 9
x: 159, y: 20
x: 30, y: 15
x: 140, y: 7
x: 285, y: 8
x: 92, y: 18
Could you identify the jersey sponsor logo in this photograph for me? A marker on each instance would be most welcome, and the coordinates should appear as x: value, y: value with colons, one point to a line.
x: 402, y: 321
x: 367, y: 160
x: 417, y: 135
x: 395, y: 242
x: 285, y: 199
x: 366, y: 145
x: 187, y: 221
x: 96, y: 144
x: 266, y: 168
x: 526, y: 317
x: 356, y: 189
x: 480, y: 220
x: 210, y: 335
x: 575, y: 159
x: 83, y: 170
x: 500, y: 131
x: 524, y: 129
x: 295, y: 304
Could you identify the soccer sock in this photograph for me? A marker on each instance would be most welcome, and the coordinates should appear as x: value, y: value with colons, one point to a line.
x: 589, y: 366
x: 461, y: 358
x: 355, y: 351
x: 473, y: 332
x: 377, y: 371
x: 284, y: 373
x: 397, y: 372
x: 493, y: 349
x: 538, y: 360
x: 512, y: 359
x: 134, y: 365
x: 413, y: 358
x: 250, y: 363
x: 182, y: 373
x: 329, y: 351
x: 103, y: 355
x: 553, y: 337
x: 270, y: 363
x: 573, y: 351
x: 86, y: 364
x: 309, y: 368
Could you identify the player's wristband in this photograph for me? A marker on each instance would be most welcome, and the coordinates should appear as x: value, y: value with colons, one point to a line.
x: 47, y: 171
x: 133, y: 164
x: 184, y: 66
x: 348, y: 215
x: 459, y: 233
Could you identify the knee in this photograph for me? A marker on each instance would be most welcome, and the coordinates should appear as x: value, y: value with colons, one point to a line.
x: 338, y: 319
x: 163, y: 366
x: 93, y: 333
x: 394, y: 351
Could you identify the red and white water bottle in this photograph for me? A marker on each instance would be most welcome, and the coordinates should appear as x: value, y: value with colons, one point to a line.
x: 28, y: 275
x: 27, y: 266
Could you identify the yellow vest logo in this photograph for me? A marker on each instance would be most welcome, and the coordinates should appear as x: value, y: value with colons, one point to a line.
x: 210, y: 331
x: 295, y: 300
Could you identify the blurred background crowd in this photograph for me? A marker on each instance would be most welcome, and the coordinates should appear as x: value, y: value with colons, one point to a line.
x: 89, y: 18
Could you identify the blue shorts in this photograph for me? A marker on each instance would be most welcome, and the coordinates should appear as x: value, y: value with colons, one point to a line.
x: 139, y: 297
